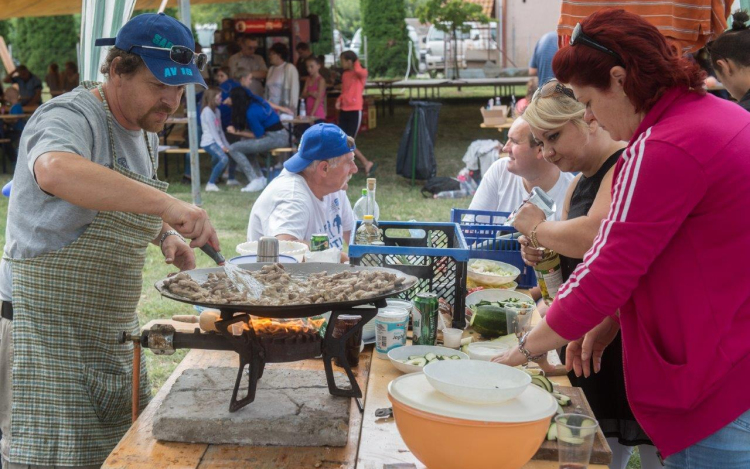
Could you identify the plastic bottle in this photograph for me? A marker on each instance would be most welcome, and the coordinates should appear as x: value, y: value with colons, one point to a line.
x: 302, y: 109
x: 490, y: 103
x: 360, y: 207
x: 468, y: 184
x: 497, y: 101
x: 367, y: 233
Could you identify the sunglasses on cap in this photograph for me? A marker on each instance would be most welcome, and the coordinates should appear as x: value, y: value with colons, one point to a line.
x: 578, y: 37
x: 551, y: 88
x: 182, y: 55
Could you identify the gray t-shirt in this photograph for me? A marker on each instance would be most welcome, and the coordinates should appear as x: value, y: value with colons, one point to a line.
x: 74, y: 122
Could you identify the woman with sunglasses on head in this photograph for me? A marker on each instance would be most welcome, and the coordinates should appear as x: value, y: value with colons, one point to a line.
x: 575, y: 144
x: 655, y: 269
x: 730, y: 57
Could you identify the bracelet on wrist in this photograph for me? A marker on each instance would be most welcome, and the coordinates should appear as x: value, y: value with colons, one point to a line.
x: 167, y: 234
x: 534, y: 241
x: 526, y: 353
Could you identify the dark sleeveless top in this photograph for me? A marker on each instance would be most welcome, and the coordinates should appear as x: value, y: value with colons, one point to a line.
x: 605, y: 390
x: 581, y: 202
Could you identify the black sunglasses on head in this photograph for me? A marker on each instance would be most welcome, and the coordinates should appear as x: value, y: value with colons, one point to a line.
x: 578, y: 37
x: 182, y: 55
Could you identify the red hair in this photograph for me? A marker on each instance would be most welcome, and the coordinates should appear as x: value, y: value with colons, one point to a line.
x: 653, y: 66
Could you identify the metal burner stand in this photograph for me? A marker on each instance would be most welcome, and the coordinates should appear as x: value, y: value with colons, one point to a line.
x: 162, y: 339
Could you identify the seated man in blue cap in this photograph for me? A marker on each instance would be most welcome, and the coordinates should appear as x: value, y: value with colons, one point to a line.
x: 85, y: 204
x: 309, y: 196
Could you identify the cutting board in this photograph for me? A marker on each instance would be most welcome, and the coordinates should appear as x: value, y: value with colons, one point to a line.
x: 601, y: 454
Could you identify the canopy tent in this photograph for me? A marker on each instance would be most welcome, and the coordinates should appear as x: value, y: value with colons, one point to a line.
x: 25, y: 8
x: 689, y: 23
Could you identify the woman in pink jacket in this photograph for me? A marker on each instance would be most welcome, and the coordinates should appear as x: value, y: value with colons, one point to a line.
x: 670, y: 265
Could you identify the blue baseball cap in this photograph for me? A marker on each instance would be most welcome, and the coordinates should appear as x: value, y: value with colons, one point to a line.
x: 319, y: 142
x: 150, y: 36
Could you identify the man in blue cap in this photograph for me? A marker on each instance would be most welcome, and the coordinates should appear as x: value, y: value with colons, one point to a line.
x: 84, y: 207
x: 309, y: 196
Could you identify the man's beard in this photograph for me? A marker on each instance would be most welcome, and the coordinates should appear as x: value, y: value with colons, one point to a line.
x: 150, y: 125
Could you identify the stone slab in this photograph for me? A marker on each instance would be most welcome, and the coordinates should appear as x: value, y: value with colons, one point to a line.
x: 291, y: 408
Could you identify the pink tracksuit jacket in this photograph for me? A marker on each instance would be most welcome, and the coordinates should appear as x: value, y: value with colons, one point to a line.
x: 673, y: 256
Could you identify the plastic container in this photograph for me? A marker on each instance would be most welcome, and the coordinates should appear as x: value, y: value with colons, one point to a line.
x: 488, y: 237
x: 496, y: 436
x: 437, y: 258
x: 289, y: 248
x: 390, y: 330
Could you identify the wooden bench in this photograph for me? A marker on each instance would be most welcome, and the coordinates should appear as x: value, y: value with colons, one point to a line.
x: 175, y: 151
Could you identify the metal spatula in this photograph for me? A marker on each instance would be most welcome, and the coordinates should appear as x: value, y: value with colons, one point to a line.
x: 242, y: 279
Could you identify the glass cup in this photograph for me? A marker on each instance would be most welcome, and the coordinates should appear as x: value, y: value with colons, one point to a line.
x: 452, y: 337
x: 575, y: 440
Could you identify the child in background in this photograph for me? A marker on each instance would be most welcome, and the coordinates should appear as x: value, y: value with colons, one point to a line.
x: 213, y: 140
x: 351, y: 101
x: 314, y: 91
x: 13, y: 98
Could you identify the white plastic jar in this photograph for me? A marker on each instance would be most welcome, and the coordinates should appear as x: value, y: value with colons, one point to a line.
x: 390, y: 330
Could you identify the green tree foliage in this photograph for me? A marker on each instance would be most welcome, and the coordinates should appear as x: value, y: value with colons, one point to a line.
x: 37, y: 42
x: 322, y: 8
x: 383, y: 22
x: 348, y: 17
x: 451, y: 17
x: 214, y: 13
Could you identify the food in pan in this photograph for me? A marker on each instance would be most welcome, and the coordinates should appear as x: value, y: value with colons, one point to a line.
x: 280, y: 288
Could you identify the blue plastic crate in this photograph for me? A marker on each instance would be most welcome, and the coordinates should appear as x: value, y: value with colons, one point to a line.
x: 435, y: 253
x: 481, y: 229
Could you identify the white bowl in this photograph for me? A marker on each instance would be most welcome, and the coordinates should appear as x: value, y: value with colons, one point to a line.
x: 493, y: 279
x: 475, y: 381
x: 288, y: 248
x: 402, y: 353
x: 487, y: 350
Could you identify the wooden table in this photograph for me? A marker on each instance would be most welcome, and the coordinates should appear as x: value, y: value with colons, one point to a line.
x: 9, y: 117
x: 372, y: 443
x: 139, y: 449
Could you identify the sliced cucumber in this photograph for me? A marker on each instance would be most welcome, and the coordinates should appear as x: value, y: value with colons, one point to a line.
x: 419, y: 361
x: 430, y: 356
x: 565, y: 435
x: 589, y: 428
x: 542, y: 382
x: 560, y: 410
x: 441, y: 357
x: 533, y: 371
x: 552, y: 432
x: 455, y: 357
x: 562, y: 399
x: 412, y: 357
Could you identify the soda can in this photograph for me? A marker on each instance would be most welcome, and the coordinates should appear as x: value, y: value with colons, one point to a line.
x: 425, y: 319
x: 319, y: 242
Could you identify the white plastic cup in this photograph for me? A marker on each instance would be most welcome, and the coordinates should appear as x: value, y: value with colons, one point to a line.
x: 452, y: 337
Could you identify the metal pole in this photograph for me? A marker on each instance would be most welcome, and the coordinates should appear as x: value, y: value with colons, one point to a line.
x: 364, y: 43
x: 195, y: 167
x: 333, y: 32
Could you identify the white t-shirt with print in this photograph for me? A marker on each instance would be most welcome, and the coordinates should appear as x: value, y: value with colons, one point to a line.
x: 503, y: 191
x: 288, y: 206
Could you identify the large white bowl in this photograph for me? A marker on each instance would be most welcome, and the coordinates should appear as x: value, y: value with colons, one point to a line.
x: 475, y: 381
x: 288, y: 248
x: 492, y: 279
x: 402, y: 353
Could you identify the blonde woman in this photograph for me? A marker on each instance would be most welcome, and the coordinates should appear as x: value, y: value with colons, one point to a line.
x: 574, y: 144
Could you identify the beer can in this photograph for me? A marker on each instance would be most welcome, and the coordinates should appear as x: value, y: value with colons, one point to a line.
x: 319, y: 242
x: 425, y: 319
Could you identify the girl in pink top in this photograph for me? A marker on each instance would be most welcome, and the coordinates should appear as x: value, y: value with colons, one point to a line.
x: 350, y: 102
x: 669, y: 266
x: 314, y: 91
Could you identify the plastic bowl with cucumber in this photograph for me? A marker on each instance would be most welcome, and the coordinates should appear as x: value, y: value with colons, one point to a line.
x: 413, y: 358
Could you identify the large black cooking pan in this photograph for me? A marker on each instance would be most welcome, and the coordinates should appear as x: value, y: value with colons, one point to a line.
x: 297, y: 271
